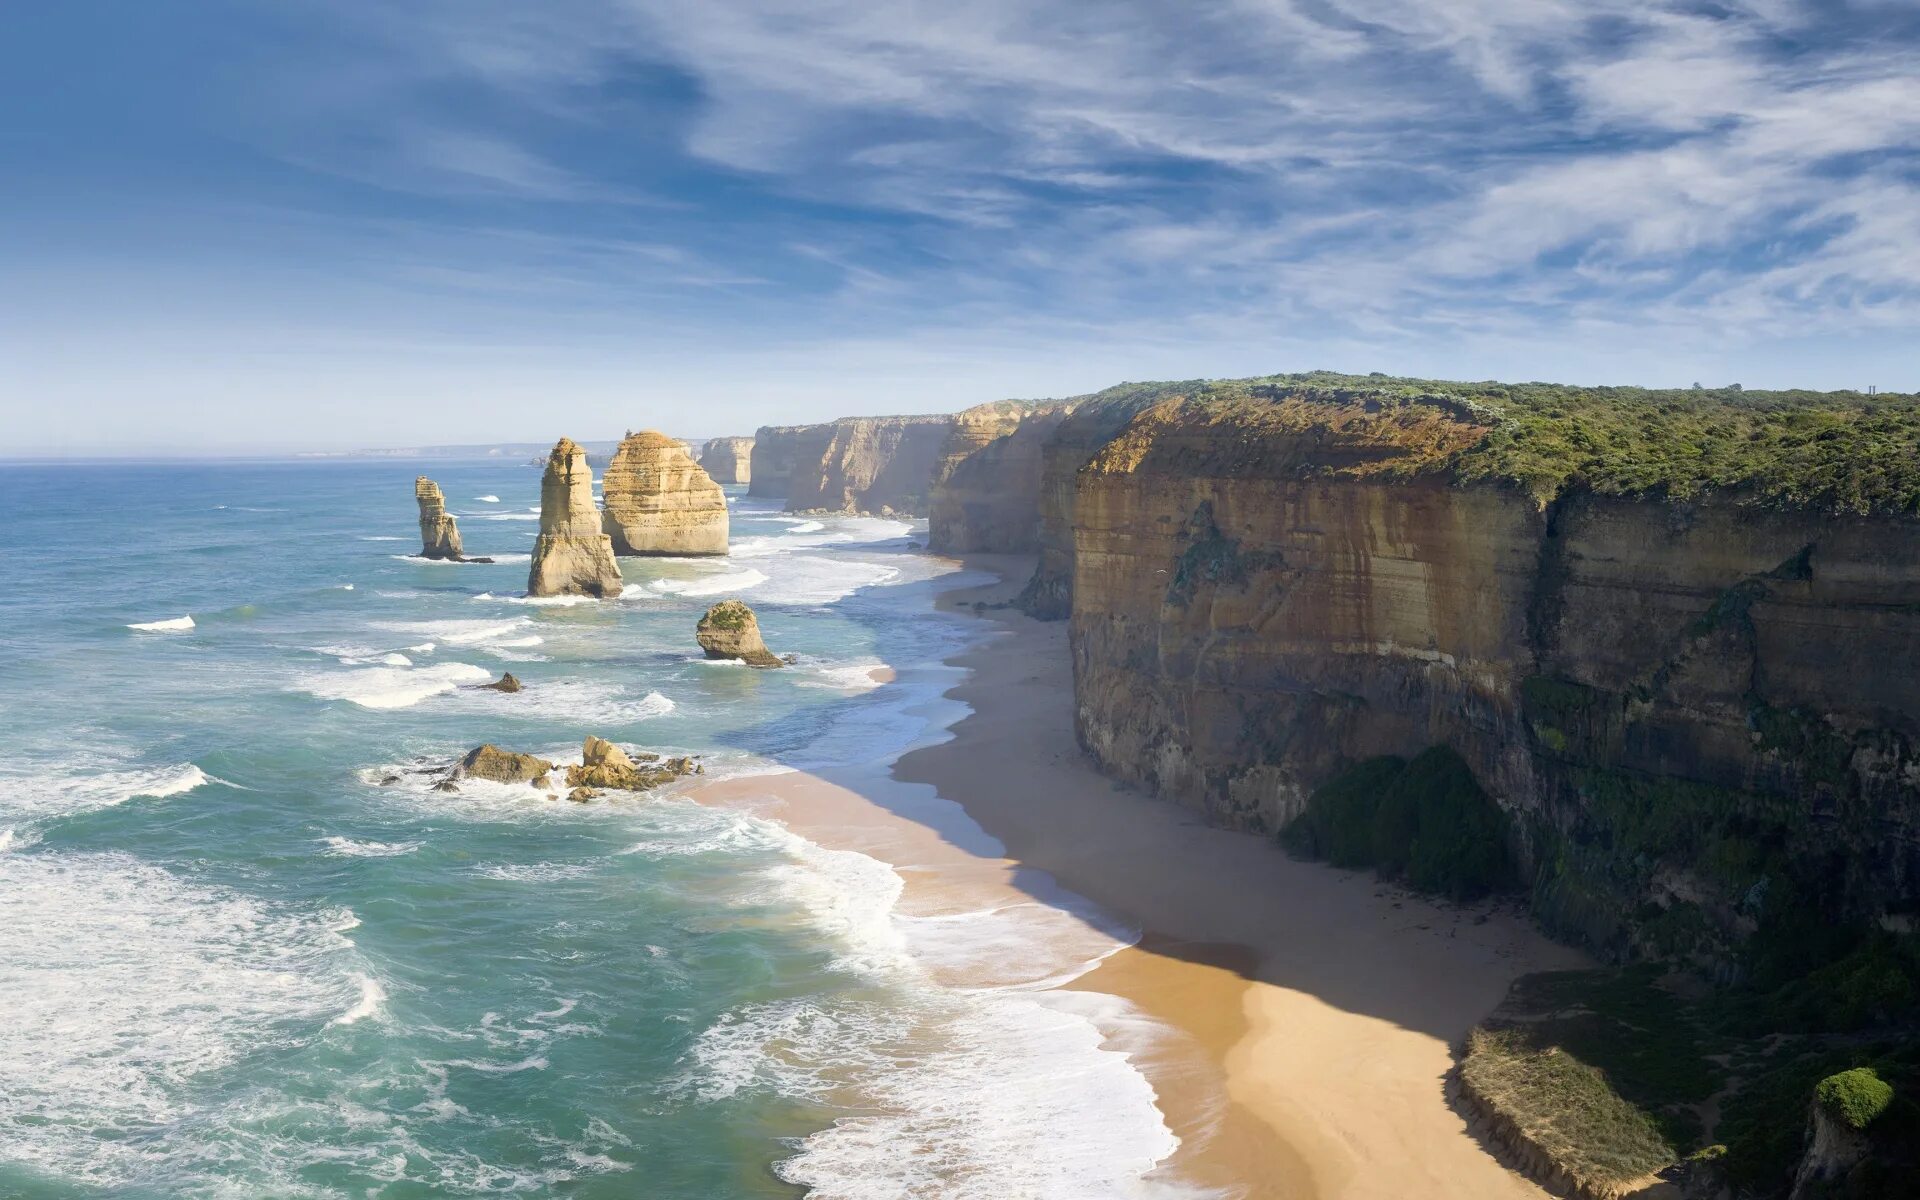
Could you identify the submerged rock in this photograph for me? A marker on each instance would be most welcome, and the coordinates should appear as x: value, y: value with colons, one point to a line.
x: 730, y: 630
x: 581, y: 795
x: 506, y: 683
x: 659, y: 501
x: 500, y: 766
x: 572, y: 556
x: 605, y: 765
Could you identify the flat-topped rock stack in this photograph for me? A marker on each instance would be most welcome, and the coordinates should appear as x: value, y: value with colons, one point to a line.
x: 728, y: 460
x: 572, y: 556
x: 439, y: 532
x: 659, y: 501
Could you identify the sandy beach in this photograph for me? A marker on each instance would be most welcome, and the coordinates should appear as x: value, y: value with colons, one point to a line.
x: 1312, y: 1010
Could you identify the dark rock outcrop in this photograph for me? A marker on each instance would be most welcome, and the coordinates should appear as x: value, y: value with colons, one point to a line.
x: 728, y: 460
x: 572, y: 557
x: 500, y: 766
x: 730, y: 630
x: 507, y: 682
x: 659, y: 501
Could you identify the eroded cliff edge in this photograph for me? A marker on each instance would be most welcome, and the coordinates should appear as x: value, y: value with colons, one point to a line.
x: 1681, y: 694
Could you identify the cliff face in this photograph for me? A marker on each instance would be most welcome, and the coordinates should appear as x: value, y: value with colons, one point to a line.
x: 870, y: 464
x: 659, y: 501
x: 728, y: 460
x: 1688, y: 708
x: 1093, y: 422
x: 986, y: 485
x: 571, y: 556
x: 779, y: 450
x: 439, y: 532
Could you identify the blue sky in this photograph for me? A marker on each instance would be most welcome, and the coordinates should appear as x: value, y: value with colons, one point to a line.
x: 274, y: 224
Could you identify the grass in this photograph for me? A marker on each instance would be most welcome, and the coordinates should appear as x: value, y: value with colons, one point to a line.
x: 1564, y: 1106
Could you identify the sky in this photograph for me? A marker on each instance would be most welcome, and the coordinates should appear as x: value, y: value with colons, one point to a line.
x: 264, y: 225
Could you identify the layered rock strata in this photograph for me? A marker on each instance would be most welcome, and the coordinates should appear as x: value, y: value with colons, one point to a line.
x: 439, y: 532
x: 728, y: 460
x: 730, y: 630
x: 571, y: 557
x: 1677, y: 703
x: 779, y: 451
x: 853, y: 465
x: 985, y: 495
x: 659, y: 501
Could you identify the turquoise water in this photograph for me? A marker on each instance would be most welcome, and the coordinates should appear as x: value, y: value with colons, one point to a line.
x: 236, y: 962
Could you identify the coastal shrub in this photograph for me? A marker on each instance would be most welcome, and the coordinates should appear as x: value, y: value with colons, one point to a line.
x: 1844, y: 452
x: 1564, y: 1106
x: 1424, y: 820
x: 1857, y: 1096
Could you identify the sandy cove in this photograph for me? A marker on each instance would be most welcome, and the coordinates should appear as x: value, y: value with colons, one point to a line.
x: 1314, y: 1008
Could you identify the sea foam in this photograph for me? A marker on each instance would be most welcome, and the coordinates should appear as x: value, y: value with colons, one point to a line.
x: 170, y: 625
x: 125, y: 984
x: 392, y: 687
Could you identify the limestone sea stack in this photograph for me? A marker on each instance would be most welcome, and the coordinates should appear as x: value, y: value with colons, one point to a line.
x: 659, y: 501
x: 439, y: 532
x: 572, y: 556
x: 729, y: 460
x: 730, y: 630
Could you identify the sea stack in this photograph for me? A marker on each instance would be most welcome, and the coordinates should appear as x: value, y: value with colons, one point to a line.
x: 439, y: 533
x: 729, y: 630
x: 659, y: 501
x: 572, y: 557
x: 729, y: 460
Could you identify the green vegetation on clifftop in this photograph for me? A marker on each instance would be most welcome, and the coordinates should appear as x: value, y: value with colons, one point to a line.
x: 1844, y: 452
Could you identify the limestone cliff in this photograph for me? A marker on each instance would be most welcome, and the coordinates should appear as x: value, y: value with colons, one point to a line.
x: 779, y: 451
x: 1687, y: 705
x: 871, y: 464
x: 728, y: 459
x: 986, y: 485
x: 439, y: 532
x: 659, y: 501
x: 1091, y: 423
x: 571, y: 556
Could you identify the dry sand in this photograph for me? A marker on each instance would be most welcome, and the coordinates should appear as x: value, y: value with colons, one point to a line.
x: 1313, y: 1008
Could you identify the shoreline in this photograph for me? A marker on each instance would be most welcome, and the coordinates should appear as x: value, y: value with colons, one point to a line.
x: 1308, y: 1012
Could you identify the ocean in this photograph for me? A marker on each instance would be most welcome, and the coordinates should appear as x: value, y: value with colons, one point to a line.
x: 237, y: 960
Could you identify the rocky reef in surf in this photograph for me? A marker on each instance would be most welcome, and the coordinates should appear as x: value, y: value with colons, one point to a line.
x: 729, y: 630
x: 572, y: 556
x: 728, y: 459
x: 496, y: 765
x: 508, y: 682
x: 604, y: 766
x: 439, y: 532
x: 659, y: 501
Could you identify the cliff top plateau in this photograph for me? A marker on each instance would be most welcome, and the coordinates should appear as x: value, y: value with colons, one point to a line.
x: 1836, y: 451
